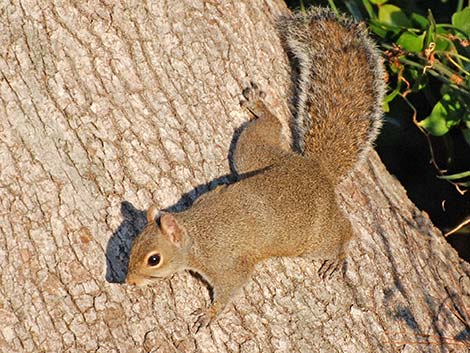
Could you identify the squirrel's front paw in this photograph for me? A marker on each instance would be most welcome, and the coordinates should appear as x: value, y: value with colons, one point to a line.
x: 204, y: 318
x: 253, y: 99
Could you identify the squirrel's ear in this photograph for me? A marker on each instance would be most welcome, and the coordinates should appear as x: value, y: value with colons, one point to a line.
x: 171, y: 229
x: 152, y: 213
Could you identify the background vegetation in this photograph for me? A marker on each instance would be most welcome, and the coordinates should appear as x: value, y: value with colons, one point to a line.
x: 426, y: 137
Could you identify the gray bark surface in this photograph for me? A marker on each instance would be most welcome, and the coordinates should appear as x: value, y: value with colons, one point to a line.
x: 106, y: 107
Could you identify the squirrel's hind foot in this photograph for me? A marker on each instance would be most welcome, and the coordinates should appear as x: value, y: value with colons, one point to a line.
x: 254, y: 100
x: 329, y: 267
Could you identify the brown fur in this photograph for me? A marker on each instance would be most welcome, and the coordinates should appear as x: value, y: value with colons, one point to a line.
x: 287, y: 205
x: 341, y: 87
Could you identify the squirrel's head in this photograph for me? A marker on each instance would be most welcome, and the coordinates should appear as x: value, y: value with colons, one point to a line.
x: 157, y: 252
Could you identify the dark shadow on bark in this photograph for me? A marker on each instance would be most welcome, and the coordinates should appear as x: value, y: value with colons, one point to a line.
x: 187, y: 199
x: 233, y: 145
x: 119, y: 245
x: 464, y: 335
x: 405, y: 314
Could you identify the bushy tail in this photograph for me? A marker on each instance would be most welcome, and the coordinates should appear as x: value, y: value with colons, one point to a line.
x: 339, y: 88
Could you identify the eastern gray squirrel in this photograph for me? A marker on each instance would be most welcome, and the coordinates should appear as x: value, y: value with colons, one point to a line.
x: 286, y: 205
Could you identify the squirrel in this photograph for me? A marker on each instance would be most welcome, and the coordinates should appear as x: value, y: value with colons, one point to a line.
x: 284, y: 202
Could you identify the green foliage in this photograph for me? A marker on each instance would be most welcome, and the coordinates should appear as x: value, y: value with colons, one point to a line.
x: 447, y: 113
x: 428, y: 63
x: 393, y: 16
x: 461, y: 20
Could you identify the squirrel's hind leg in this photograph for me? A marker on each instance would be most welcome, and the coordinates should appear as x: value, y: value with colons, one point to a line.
x: 341, y: 233
x: 261, y: 142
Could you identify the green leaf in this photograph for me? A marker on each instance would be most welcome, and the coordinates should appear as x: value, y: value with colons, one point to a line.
x: 431, y: 30
x: 461, y: 20
x: 466, y: 118
x: 411, y: 42
x: 354, y: 10
x: 466, y: 129
x: 418, y: 80
x: 383, y: 30
x: 386, y: 107
x: 435, y: 123
x: 390, y: 97
x: 445, y: 115
x: 442, y: 44
x: 393, y: 15
x: 466, y: 135
x: 454, y: 176
x: 378, y: 2
x: 419, y: 20
x: 369, y: 8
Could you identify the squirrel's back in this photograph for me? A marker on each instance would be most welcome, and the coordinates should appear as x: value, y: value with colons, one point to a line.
x: 339, y: 90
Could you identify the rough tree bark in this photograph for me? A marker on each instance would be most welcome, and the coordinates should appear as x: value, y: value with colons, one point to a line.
x: 108, y: 106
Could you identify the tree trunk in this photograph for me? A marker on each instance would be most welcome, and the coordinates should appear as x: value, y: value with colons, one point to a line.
x: 107, y: 107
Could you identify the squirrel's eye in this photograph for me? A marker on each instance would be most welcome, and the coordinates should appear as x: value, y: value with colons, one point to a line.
x: 153, y: 260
